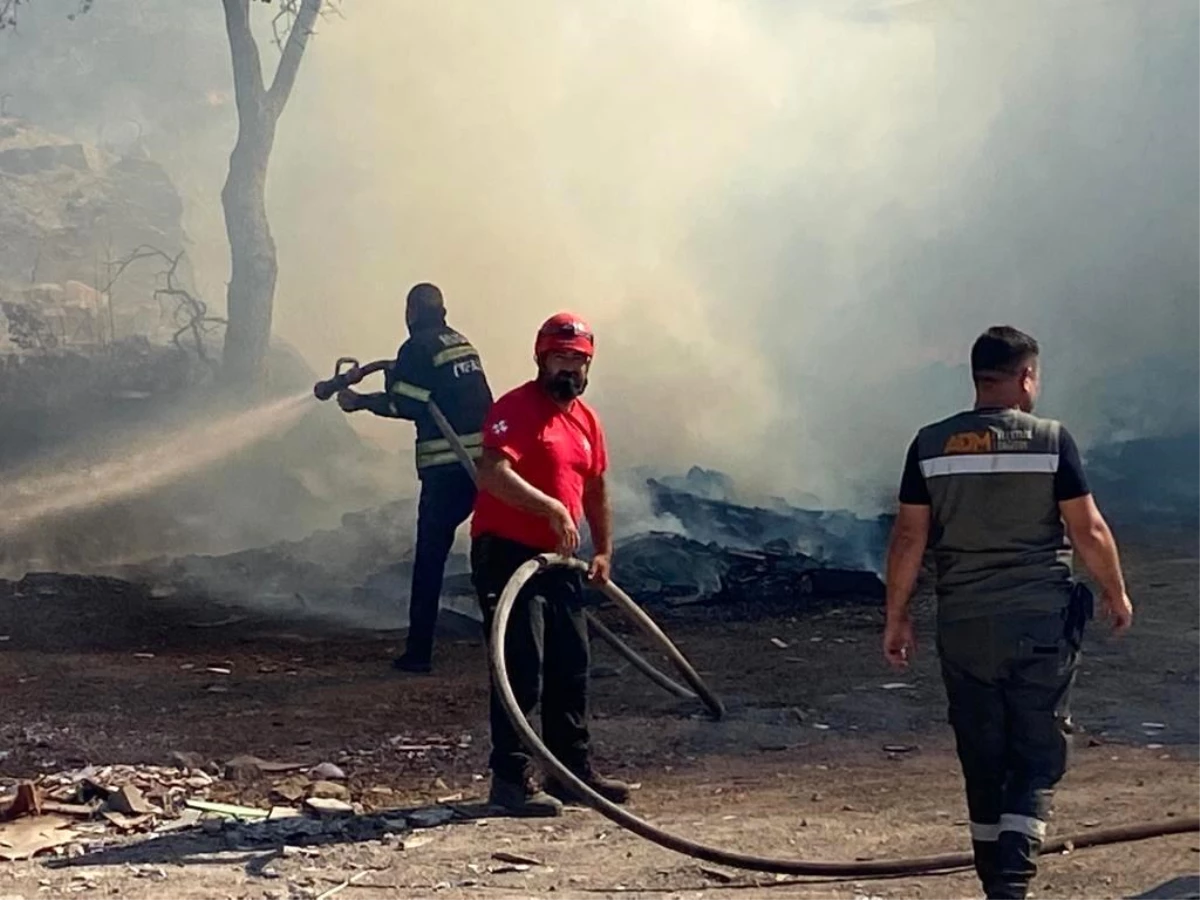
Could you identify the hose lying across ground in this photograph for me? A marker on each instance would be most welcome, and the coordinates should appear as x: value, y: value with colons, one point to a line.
x: 699, y: 690
x: 717, y: 855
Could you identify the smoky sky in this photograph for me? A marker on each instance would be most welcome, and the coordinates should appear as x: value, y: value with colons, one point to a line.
x: 787, y: 221
x: 1043, y: 173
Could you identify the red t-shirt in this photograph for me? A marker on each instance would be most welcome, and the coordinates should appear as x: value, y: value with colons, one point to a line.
x: 555, y: 450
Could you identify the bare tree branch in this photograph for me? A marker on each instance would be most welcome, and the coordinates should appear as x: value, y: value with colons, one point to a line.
x: 248, y: 89
x: 254, y: 263
x: 293, y: 51
x: 144, y: 251
x: 8, y: 14
x: 190, y: 313
x: 281, y: 23
x: 37, y: 262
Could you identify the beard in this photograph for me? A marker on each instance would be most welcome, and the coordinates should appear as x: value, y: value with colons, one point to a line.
x: 564, y: 386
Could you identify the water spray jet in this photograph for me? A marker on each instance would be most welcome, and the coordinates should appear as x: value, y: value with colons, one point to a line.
x: 34, y: 498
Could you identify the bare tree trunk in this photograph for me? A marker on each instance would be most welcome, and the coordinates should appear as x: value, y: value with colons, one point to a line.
x: 252, y: 257
x: 254, y: 266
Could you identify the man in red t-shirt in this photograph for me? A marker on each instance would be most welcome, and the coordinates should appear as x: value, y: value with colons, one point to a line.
x: 543, y: 469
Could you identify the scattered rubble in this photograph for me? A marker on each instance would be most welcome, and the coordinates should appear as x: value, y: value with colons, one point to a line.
x: 30, y: 835
x: 328, y: 806
x: 248, y: 768
x: 327, y: 790
x: 96, y: 805
x: 327, y: 771
x: 516, y: 859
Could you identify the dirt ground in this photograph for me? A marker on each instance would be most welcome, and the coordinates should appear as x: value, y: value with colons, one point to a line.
x: 796, y: 769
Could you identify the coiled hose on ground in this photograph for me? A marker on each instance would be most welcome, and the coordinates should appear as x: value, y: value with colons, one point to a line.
x: 642, y: 828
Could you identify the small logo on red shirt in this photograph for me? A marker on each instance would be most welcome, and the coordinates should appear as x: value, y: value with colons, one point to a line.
x: 500, y: 427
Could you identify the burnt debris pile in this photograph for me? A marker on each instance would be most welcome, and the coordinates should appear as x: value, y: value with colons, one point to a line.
x: 696, y: 550
x: 719, y: 552
x: 715, y: 552
x: 726, y: 552
x: 1148, y: 481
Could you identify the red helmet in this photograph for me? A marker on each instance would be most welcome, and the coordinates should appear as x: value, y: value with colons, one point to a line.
x: 565, y: 332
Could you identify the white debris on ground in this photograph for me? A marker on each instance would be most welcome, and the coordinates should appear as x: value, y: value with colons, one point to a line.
x: 73, y: 812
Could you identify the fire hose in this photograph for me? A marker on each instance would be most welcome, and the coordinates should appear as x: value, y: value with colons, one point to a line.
x: 942, y: 863
x: 854, y: 869
x: 347, y: 372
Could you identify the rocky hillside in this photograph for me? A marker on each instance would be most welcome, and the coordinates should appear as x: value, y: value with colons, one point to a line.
x: 69, y: 213
x: 88, y: 358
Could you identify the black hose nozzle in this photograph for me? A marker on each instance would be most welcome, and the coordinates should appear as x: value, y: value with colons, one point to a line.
x: 341, y: 380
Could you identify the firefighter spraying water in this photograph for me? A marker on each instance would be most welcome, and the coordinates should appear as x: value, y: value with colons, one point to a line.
x: 436, y: 373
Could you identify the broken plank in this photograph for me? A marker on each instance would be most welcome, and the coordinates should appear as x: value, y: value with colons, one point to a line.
x: 228, y: 809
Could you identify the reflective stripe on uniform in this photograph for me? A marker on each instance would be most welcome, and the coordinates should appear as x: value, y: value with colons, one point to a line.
x: 989, y: 464
x: 437, y: 445
x: 985, y: 831
x: 1026, y: 825
x: 412, y: 391
x: 452, y: 354
x: 424, y: 460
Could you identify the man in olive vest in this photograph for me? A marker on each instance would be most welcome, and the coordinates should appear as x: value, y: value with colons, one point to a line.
x: 995, y: 493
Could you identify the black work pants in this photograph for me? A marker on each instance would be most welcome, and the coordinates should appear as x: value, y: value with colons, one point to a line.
x: 546, y: 652
x: 447, y: 498
x: 1008, y: 681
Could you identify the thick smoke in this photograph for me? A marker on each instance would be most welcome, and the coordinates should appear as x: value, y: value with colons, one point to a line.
x: 786, y: 221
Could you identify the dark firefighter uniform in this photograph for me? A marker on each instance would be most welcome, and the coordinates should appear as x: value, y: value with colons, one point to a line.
x: 1009, y: 619
x: 435, y: 365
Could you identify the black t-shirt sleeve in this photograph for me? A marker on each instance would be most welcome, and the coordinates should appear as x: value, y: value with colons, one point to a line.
x: 1069, y: 481
x: 913, y: 489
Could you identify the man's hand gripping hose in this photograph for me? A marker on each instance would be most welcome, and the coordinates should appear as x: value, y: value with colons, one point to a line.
x: 355, y: 373
x: 624, y: 818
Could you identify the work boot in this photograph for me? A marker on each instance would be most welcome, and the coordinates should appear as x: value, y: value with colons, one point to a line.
x: 409, y: 663
x: 1016, y: 865
x: 522, y: 798
x: 610, y: 789
x: 987, y: 858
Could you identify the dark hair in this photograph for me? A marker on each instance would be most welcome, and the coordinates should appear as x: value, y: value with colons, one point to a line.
x: 1001, y: 350
x: 425, y: 303
x: 425, y: 296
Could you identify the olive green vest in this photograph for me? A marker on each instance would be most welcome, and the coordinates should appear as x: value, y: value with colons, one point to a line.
x: 997, y: 538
